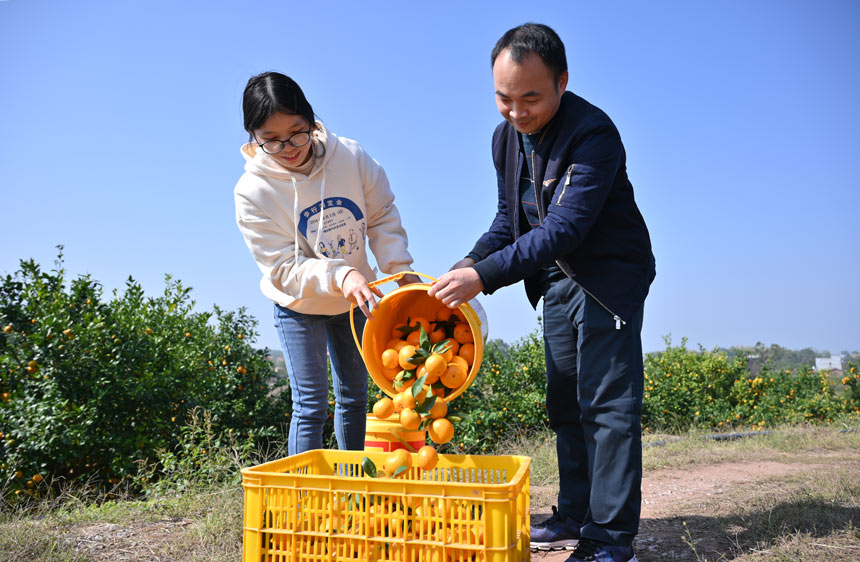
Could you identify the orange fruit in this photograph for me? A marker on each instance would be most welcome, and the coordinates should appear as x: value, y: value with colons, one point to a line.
x: 392, y: 343
x: 389, y: 358
x: 453, y: 348
x: 422, y: 321
x: 435, y: 365
x: 390, y: 374
x: 409, y: 418
x: 454, y: 376
x: 397, y: 458
x: 383, y: 408
x: 458, y: 360
x: 467, y: 352
x: 420, y: 371
x: 431, y: 380
x: 398, y: 334
x: 414, y: 337
x: 427, y: 457
x: 404, y: 400
x: 439, y: 409
x: 443, y: 313
x: 463, y: 333
x: 440, y: 431
x: 400, y: 384
x: 437, y: 335
x: 405, y: 353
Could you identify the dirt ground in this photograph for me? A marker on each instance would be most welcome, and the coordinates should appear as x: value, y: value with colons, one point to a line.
x: 668, y: 496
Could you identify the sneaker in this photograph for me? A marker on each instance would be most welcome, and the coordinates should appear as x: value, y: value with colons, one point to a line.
x: 556, y: 533
x: 591, y: 551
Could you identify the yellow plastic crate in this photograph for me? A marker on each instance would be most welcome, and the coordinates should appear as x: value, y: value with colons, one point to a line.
x: 318, y: 506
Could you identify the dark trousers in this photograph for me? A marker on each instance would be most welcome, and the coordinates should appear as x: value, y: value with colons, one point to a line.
x: 594, y: 404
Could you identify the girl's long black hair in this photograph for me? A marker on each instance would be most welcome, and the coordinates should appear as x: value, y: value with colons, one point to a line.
x: 272, y: 92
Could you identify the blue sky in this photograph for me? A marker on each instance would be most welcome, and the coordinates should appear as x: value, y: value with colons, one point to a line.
x: 120, y: 127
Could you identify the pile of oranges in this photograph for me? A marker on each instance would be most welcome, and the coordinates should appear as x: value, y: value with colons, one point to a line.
x: 426, y: 361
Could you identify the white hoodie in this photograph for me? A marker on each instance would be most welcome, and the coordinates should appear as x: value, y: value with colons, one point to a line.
x: 278, y: 213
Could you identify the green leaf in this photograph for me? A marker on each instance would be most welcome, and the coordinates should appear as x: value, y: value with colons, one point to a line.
x: 418, y: 386
x: 369, y: 467
x: 455, y: 419
x: 442, y: 346
x: 423, y: 339
x: 399, y: 470
x: 427, y: 405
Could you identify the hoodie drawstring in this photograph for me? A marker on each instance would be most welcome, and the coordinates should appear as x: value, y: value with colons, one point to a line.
x: 322, y: 212
x: 295, y: 220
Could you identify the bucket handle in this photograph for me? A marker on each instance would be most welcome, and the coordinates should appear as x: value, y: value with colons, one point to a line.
x: 395, y: 277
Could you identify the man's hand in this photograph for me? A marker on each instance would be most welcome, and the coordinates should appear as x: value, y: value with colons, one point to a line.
x: 457, y: 286
x: 465, y: 262
x: 407, y: 279
x: 357, y: 291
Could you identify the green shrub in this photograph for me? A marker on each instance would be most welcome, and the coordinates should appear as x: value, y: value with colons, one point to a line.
x: 507, y: 397
x: 90, y: 386
x: 712, y: 390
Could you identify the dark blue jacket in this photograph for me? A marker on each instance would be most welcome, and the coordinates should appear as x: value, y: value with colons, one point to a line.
x: 590, y: 224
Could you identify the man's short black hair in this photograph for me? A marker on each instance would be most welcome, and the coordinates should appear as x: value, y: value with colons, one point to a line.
x: 533, y: 38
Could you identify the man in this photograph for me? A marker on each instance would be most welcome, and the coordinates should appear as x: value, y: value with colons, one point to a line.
x: 567, y: 224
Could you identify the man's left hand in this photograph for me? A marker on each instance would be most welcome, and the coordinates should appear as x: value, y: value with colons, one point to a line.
x: 457, y: 286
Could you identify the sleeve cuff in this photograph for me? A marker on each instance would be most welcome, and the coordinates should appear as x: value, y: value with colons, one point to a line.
x: 340, y: 274
x: 400, y: 267
x: 490, y: 273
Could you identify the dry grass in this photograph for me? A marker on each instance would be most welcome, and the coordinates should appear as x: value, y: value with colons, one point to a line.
x: 805, y: 516
x: 201, y: 526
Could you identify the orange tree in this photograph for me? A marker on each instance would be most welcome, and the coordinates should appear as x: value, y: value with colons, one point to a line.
x: 507, y: 397
x: 91, y: 386
x: 714, y: 390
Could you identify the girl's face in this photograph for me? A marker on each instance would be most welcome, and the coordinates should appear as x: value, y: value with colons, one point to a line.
x: 280, y: 127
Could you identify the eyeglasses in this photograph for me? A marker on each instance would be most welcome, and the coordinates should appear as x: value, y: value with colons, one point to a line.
x: 275, y: 146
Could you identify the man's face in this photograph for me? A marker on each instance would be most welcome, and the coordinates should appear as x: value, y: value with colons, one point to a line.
x: 527, y: 94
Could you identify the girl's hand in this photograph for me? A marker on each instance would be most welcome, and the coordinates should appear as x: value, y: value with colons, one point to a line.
x: 357, y: 291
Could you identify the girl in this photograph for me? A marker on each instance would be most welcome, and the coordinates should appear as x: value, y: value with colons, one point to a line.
x: 304, y: 191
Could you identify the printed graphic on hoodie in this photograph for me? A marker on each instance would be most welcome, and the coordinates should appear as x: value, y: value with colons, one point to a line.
x: 343, y: 227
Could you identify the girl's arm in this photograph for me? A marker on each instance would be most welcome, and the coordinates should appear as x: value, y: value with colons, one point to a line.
x: 386, y: 234
x: 285, y: 265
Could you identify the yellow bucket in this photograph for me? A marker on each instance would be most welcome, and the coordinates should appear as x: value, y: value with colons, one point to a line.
x: 387, y: 435
x: 411, y: 300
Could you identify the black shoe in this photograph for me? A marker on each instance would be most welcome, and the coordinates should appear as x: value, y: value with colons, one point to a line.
x: 592, y: 551
x: 556, y: 533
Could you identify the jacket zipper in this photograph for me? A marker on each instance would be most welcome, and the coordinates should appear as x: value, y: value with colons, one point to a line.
x: 618, y: 321
x: 566, y: 183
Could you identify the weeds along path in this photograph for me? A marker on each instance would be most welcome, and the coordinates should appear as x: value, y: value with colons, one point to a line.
x: 806, y: 506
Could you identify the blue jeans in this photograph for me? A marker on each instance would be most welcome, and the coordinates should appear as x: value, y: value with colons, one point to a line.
x: 305, y: 339
x: 594, y: 404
